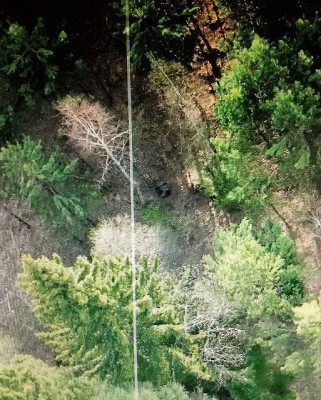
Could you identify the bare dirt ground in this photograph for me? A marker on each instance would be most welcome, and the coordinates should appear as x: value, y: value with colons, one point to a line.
x: 21, y: 233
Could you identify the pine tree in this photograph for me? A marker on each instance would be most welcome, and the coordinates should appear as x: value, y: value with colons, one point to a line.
x: 47, y: 183
x: 87, y: 312
x: 308, y: 322
x: 271, y: 95
x: 247, y: 272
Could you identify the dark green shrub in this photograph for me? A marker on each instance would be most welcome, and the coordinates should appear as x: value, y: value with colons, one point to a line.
x: 271, y: 237
x: 27, y: 59
x: 6, y: 119
x: 263, y: 380
x: 155, y: 26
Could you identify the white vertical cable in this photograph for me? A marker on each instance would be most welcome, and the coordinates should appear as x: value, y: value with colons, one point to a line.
x: 132, y: 201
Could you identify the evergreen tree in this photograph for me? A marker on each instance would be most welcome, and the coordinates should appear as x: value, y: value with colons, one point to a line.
x: 249, y: 273
x: 258, y: 270
x: 47, y: 183
x: 87, y: 312
x: 306, y: 358
x: 28, y: 59
x: 271, y: 95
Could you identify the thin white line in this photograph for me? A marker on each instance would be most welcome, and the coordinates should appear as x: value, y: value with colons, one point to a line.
x: 132, y: 200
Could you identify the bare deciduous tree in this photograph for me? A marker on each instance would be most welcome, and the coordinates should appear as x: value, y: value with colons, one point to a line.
x: 314, y: 216
x: 94, y: 132
x: 208, y: 310
x: 113, y: 236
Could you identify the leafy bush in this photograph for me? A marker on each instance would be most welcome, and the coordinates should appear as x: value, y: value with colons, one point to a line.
x: 155, y: 26
x: 29, y: 378
x: 27, y: 59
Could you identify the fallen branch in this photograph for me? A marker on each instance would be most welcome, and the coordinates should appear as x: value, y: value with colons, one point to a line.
x: 28, y: 226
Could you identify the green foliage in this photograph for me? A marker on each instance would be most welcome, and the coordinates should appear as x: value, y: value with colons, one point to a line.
x: 239, y: 182
x: 252, y: 272
x: 262, y: 380
x: 6, y: 119
x: 290, y: 283
x: 155, y: 215
x: 271, y: 19
x: 87, y: 312
x: 171, y: 391
x: 29, y: 378
x: 307, y: 318
x: 270, y: 236
x: 156, y: 27
x: 271, y: 96
x: 242, y: 90
x: 259, y: 270
x: 28, y: 59
x: 47, y: 183
x: 247, y: 272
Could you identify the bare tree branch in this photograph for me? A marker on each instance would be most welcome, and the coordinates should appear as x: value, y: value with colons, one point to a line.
x: 209, y: 311
x: 94, y: 133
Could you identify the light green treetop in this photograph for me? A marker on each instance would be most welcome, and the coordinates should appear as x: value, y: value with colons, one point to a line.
x: 247, y: 272
x: 307, y: 318
x: 28, y: 378
x: 87, y: 312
